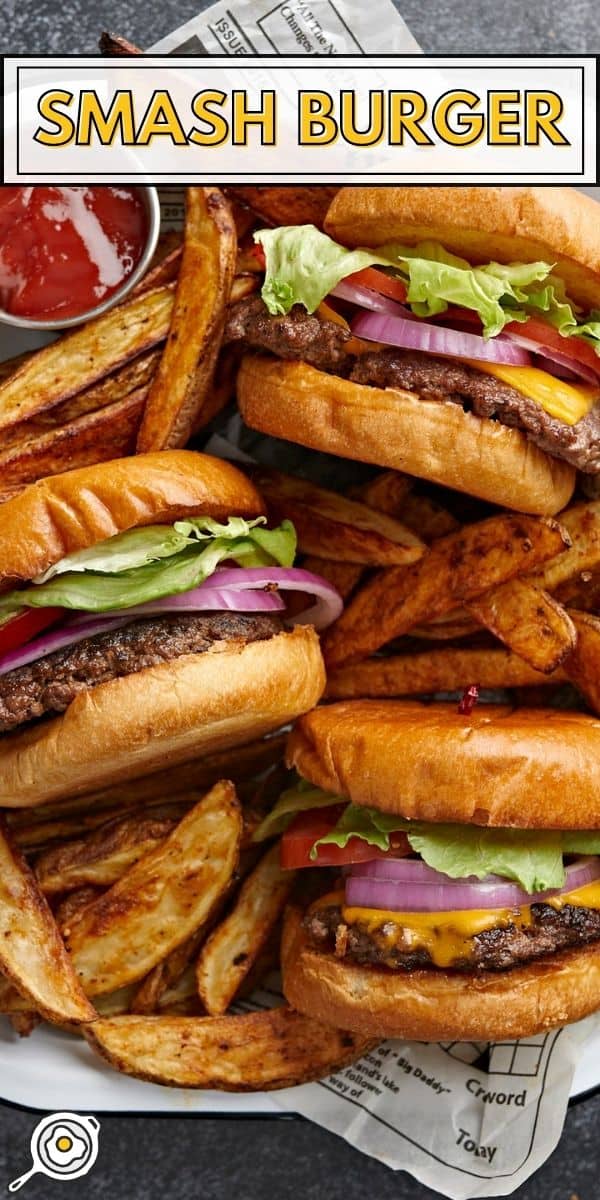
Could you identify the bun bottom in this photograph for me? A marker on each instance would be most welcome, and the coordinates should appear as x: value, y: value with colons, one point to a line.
x: 164, y: 715
x: 393, y: 428
x: 435, y: 1005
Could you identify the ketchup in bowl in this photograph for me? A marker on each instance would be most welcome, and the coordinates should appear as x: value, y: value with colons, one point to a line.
x: 65, y: 250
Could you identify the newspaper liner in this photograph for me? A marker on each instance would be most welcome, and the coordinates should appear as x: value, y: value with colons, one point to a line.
x: 467, y: 1119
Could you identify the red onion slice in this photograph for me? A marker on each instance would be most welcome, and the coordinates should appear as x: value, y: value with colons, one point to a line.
x: 57, y: 639
x: 365, y: 297
x: 409, y: 885
x: 436, y: 339
x: 576, y: 369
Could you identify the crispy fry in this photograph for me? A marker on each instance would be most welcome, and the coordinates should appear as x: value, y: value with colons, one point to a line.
x: 73, y: 905
x: 182, y: 993
x: 243, y: 285
x: 32, y: 953
x: 162, y: 272
x: 86, y: 355
x: 24, y: 1023
x: 111, y: 45
x: 445, y: 631
x: 255, y: 1051
x: 11, y: 999
x: 343, y: 576
x: 95, y: 437
x: 330, y: 525
x: 166, y: 974
x: 161, y: 900
x: 582, y: 523
x: 529, y: 621
x: 115, y: 1004
x: 439, y: 670
x: 391, y: 492
x: 459, y: 567
x: 286, y: 205
x: 233, y: 947
x: 428, y: 518
x: 183, y: 381
x: 387, y: 492
x: 583, y: 664
x: 102, y: 857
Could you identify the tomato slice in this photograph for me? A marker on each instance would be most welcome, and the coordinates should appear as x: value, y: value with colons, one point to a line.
x: 378, y: 281
x: 573, y: 347
x: 306, y: 829
x: 24, y: 626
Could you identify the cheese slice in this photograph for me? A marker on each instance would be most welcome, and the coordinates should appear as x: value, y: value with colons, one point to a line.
x: 568, y: 402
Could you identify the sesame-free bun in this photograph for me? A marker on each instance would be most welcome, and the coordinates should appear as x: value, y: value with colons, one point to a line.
x: 69, y: 512
x: 390, y: 427
x: 436, y: 1005
x: 163, y: 715
x: 556, y: 225
x: 499, y: 766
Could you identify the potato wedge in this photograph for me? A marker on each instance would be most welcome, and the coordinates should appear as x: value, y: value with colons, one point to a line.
x: 72, y: 905
x: 233, y: 947
x: 255, y: 1051
x: 181, y: 992
x: 529, y: 621
x: 115, y: 1004
x: 344, y: 576
x: 160, y: 901
x: 445, y: 631
x: 32, y: 954
x: 166, y: 270
x: 458, y: 568
x: 387, y: 492
x: 583, y: 664
x: 182, y: 384
x: 332, y: 526
x: 582, y: 523
x: 166, y: 974
x: 111, y: 45
x: 24, y: 1023
x: 102, y: 857
x: 86, y: 355
x: 286, y: 205
x: 11, y: 999
x: 438, y: 670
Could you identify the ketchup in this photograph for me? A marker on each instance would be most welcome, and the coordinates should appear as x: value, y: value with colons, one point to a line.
x: 63, y: 250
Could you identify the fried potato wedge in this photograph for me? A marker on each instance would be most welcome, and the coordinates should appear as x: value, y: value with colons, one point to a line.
x: 529, y: 621
x: 182, y: 384
x: 11, y: 999
x: 164, y: 271
x: 438, y: 670
x: 115, y: 1004
x: 24, y: 1023
x: 332, y: 526
x: 112, y: 45
x: 583, y: 664
x: 458, y: 568
x: 286, y: 205
x: 32, y: 953
x: 255, y: 1051
x: 166, y: 974
x: 582, y: 523
x: 95, y: 437
x: 391, y: 493
x: 72, y: 905
x: 343, y: 576
x: 233, y: 947
x: 181, y: 992
x: 88, y: 354
x: 161, y: 900
x: 103, y: 857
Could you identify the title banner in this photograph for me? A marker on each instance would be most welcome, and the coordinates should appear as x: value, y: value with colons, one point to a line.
x: 351, y: 119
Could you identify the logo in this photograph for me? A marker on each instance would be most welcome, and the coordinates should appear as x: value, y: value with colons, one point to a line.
x: 63, y: 1146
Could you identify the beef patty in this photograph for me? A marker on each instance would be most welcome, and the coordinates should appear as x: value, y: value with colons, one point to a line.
x: 50, y: 684
x: 322, y: 344
x: 499, y: 949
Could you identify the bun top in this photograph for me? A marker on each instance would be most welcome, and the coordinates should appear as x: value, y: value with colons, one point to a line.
x: 526, y: 768
x: 482, y: 224
x: 69, y: 512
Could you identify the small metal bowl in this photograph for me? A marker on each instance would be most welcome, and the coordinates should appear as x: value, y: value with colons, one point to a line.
x: 149, y: 196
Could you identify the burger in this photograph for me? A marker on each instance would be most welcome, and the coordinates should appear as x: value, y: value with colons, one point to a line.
x: 143, y: 621
x: 447, y: 332
x: 453, y: 864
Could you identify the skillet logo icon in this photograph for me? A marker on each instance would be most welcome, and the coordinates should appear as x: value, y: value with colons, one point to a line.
x: 63, y: 1146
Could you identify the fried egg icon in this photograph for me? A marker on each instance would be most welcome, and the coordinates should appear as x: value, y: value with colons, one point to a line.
x: 63, y: 1147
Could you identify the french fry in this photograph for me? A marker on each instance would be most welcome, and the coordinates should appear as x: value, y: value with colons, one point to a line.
x: 428, y: 518
x: 103, y: 857
x: 445, y: 631
x: 255, y: 1051
x: 583, y: 664
x: 343, y: 576
x: 387, y: 492
x: 11, y: 999
x: 286, y: 205
x: 25, y: 1023
x: 166, y: 974
x: 332, y: 526
x: 71, y: 906
x: 165, y: 270
x: 88, y: 354
x: 111, y: 45
x: 582, y: 523
x: 32, y: 954
x: 95, y: 437
x: 182, y: 384
x: 233, y: 947
x: 529, y: 621
x: 160, y: 901
x: 438, y: 670
x: 459, y: 568
x: 183, y: 992
x: 115, y: 1004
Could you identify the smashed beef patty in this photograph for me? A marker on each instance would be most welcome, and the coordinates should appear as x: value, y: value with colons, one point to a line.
x: 497, y: 949
x: 50, y: 684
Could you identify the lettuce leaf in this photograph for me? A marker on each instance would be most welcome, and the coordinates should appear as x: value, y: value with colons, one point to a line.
x: 147, y: 564
x: 301, y: 798
x: 303, y: 265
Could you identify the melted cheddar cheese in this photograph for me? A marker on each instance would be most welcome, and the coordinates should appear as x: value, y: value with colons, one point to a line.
x: 568, y: 402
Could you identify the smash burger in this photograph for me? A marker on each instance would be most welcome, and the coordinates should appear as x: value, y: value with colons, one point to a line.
x: 461, y: 898
x: 451, y: 333
x: 143, y: 620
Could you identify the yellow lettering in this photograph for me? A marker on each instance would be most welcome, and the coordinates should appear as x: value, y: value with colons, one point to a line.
x: 64, y: 132
x: 160, y: 120
x: 218, y: 130
x: 467, y: 128
x: 264, y: 117
x: 316, y: 125
x: 118, y: 119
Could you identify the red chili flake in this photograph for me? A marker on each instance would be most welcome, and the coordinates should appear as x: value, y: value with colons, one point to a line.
x: 468, y: 700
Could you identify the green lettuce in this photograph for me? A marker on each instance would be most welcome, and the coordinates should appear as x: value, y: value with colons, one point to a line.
x: 301, y: 798
x: 146, y: 564
x: 303, y: 265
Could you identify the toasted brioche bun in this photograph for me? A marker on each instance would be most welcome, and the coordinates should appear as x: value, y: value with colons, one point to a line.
x: 163, y: 715
x: 435, y: 1005
x: 393, y: 428
x: 482, y: 224
x: 524, y: 768
x: 69, y: 512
